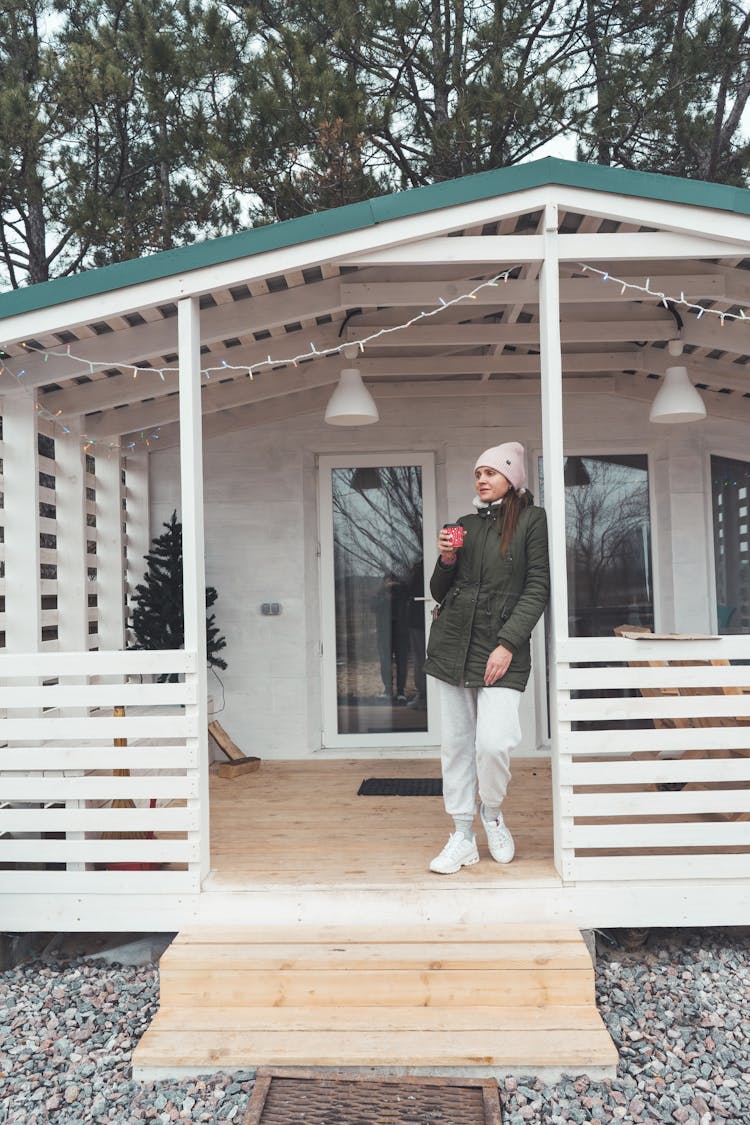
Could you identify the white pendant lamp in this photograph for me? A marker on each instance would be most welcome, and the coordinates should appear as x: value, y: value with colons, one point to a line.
x: 351, y: 404
x: 677, y: 400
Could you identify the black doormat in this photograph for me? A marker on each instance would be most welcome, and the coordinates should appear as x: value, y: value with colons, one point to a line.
x: 283, y: 1097
x: 401, y: 787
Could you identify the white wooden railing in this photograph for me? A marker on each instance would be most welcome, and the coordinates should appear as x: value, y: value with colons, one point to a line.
x: 68, y: 823
x: 616, y: 821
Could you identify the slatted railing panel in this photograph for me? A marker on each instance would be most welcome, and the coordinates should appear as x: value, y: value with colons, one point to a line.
x: 654, y: 761
x: 70, y: 818
x: 2, y: 538
x: 48, y: 562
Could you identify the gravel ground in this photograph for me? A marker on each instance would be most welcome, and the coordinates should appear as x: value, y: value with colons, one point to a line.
x: 677, y: 1009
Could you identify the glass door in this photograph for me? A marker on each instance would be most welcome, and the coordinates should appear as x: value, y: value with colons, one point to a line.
x: 376, y: 513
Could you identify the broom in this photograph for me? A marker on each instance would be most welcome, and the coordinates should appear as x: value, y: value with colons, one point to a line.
x: 127, y: 803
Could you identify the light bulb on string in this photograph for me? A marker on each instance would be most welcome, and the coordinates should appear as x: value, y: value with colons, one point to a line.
x: 664, y: 298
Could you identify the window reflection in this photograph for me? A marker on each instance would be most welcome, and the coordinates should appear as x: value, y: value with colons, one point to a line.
x: 608, y: 536
x: 730, y: 482
x: 378, y: 576
x: 608, y: 543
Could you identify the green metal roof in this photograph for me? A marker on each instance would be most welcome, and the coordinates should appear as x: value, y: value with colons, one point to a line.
x: 358, y: 216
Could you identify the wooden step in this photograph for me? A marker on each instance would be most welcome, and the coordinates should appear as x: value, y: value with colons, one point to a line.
x: 406, y: 999
x: 304, y: 935
x: 311, y: 957
x: 269, y: 987
x: 392, y: 1050
x: 338, y: 1018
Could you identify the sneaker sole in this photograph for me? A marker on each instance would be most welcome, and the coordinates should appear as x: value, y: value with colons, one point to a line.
x: 454, y: 870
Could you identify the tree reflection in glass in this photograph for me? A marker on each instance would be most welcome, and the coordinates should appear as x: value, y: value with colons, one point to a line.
x: 608, y: 537
x: 378, y: 574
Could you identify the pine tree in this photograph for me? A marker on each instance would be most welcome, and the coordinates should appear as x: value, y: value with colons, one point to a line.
x: 158, y: 620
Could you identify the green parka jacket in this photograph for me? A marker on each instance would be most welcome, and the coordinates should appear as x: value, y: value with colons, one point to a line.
x: 487, y: 600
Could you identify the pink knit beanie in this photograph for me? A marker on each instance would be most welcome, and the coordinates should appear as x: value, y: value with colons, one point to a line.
x: 509, y: 459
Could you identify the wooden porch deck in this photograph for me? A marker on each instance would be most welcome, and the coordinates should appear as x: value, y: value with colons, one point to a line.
x: 301, y: 823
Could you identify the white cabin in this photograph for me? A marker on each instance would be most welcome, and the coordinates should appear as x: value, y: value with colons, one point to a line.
x: 534, y: 303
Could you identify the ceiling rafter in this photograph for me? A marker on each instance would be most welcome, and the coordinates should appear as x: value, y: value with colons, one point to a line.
x: 503, y: 250
x: 145, y: 342
x: 473, y: 335
x: 121, y: 390
x: 243, y: 417
x: 323, y: 373
x: 214, y: 396
x: 313, y: 400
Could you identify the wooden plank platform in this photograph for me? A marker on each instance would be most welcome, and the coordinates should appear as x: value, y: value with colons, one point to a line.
x: 267, y: 832
x: 409, y: 1000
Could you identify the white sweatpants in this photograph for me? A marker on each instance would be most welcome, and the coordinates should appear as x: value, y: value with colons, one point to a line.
x: 480, y: 728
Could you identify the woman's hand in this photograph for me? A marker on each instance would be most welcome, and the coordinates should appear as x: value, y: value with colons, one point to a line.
x: 445, y: 547
x: 498, y: 663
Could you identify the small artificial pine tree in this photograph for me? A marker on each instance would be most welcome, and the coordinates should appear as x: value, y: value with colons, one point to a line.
x: 158, y: 621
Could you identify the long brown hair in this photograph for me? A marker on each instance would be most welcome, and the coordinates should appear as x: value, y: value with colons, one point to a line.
x: 514, y: 503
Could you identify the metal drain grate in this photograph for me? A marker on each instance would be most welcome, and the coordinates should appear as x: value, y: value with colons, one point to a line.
x: 293, y: 1098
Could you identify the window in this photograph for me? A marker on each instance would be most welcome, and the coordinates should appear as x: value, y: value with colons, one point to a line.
x: 608, y: 538
x: 730, y: 484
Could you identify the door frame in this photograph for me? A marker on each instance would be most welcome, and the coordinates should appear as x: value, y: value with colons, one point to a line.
x: 330, y: 737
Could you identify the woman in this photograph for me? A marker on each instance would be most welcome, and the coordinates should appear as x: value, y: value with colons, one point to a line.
x: 491, y: 592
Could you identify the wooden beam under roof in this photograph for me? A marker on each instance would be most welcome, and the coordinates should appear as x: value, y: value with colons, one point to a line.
x: 242, y: 417
x: 157, y: 338
x: 502, y: 251
x: 215, y: 396
x: 306, y: 400
x: 708, y: 332
x: 314, y: 399
x: 475, y: 335
x: 737, y: 282
x: 715, y: 373
x: 123, y: 389
x: 586, y: 290
x: 149, y: 342
x: 221, y: 322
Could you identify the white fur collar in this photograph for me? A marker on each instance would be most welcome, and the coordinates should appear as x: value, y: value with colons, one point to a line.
x: 479, y: 503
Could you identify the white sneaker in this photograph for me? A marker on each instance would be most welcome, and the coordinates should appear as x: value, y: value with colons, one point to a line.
x: 499, y: 840
x: 457, y: 853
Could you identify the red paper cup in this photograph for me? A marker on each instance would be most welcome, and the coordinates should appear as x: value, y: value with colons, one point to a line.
x: 456, y: 533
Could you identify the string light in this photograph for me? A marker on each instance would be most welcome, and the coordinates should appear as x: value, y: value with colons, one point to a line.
x: 248, y: 369
x: 663, y: 298
x: 294, y: 361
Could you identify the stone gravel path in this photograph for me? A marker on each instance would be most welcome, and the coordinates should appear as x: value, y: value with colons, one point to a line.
x: 678, y: 1009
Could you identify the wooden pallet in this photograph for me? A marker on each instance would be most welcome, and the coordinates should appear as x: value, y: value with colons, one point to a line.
x: 421, y: 1000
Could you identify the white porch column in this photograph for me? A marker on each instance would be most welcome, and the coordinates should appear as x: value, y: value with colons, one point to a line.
x: 110, y: 563
x: 554, y: 502
x: 72, y: 576
x: 23, y: 605
x: 136, y: 518
x: 193, y: 564
x: 72, y: 571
